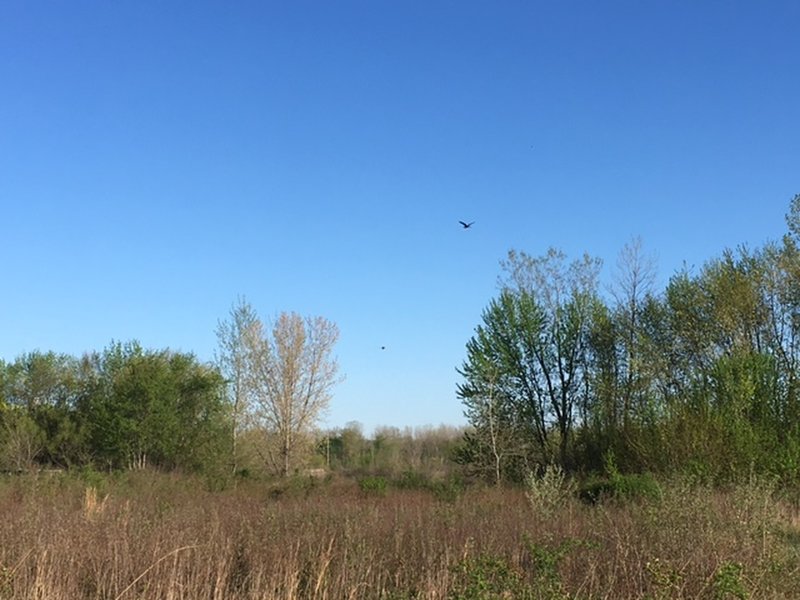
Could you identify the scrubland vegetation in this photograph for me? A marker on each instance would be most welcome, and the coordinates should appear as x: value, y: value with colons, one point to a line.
x: 151, y: 535
x: 643, y: 444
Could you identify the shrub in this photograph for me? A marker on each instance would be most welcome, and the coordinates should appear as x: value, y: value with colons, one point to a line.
x: 293, y: 487
x: 448, y: 490
x: 545, y: 562
x: 628, y: 487
x: 373, y: 485
x: 727, y: 582
x: 412, y: 480
x: 550, y: 490
x: 485, y: 577
x: 95, y: 479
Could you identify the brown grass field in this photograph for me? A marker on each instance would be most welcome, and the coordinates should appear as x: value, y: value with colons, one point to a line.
x: 146, y: 535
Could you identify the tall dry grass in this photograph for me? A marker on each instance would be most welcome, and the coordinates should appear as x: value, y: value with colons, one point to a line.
x: 155, y: 536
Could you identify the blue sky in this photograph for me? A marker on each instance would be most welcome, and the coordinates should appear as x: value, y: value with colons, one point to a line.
x: 158, y: 159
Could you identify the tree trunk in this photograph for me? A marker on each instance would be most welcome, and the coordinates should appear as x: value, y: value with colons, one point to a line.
x: 285, y: 451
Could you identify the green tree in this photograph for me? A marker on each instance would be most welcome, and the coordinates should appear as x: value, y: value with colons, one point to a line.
x: 21, y: 440
x: 388, y: 450
x: 45, y: 387
x: 793, y: 217
x: 602, y: 413
x: 234, y: 339
x: 566, y: 296
x: 502, y: 391
x: 158, y: 408
x: 781, y: 299
x: 725, y: 346
x: 345, y: 448
x: 527, y: 367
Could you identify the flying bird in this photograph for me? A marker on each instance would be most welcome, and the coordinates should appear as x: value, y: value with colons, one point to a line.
x: 467, y: 225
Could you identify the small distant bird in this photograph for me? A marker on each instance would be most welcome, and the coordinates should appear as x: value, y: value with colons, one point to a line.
x: 383, y: 347
x: 467, y: 225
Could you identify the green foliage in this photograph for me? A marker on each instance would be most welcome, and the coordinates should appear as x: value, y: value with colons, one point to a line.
x: 487, y: 577
x: 412, y: 480
x: 91, y: 478
x: 667, y: 579
x: 346, y: 448
x: 527, y: 362
x: 476, y: 456
x: 21, y: 440
x: 502, y: 402
x: 373, y: 485
x: 727, y: 582
x: 633, y: 486
x: 6, y: 582
x: 154, y: 408
x: 296, y: 486
x: 793, y: 216
x: 628, y: 487
x: 448, y: 490
x: 46, y: 387
x: 549, y: 491
x: 545, y: 564
x: 120, y: 408
x: 702, y: 378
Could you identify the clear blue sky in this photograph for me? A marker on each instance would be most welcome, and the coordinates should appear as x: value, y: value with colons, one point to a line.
x: 157, y: 159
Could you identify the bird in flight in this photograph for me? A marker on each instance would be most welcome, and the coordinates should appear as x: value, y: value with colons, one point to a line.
x: 467, y: 225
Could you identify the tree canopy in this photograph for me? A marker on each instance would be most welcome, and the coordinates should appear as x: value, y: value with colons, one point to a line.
x: 122, y: 407
x: 699, y: 377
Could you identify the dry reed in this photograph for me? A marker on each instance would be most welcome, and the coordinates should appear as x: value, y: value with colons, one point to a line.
x: 161, y: 537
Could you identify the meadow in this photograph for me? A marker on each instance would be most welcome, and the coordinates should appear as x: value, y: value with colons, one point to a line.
x: 144, y: 535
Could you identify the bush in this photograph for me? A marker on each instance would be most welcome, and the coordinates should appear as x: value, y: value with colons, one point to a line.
x: 92, y: 478
x: 622, y: 487
x: 727, y: 582
x: 626, y: 487
x: 548, y: 491
x: 485, y: 577
x: 373, y: 485
x: 412, y: 480
x: 448, y: 490
x: 293, y: 487
x: 489, y: 577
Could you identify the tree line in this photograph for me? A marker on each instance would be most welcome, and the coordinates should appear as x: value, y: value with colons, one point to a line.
x: 254, y: 409
x: 130, y: 407
x: 123, y: 407
x: 390, y: 451
x: 700, y: 377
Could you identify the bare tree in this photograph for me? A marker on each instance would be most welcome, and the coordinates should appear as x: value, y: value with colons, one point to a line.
x: 291, y: 373
x: 233, y: 336
x: 634, y: 281
x: 496, y: 432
